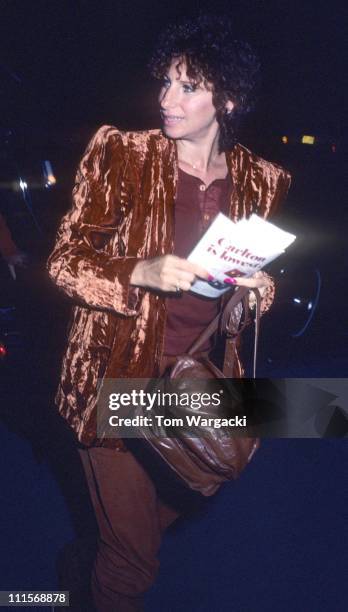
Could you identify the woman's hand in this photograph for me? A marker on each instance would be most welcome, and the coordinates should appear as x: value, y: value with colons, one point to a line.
x: 167, y: 273
x: 260, y: 280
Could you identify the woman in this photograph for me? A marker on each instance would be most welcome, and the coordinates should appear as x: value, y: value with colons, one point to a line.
x: 141, y: 201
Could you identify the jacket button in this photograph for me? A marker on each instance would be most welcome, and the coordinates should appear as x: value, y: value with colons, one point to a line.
x: 202, y: 187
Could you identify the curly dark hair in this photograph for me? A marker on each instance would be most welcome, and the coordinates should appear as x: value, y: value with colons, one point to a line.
x: 213, y: 56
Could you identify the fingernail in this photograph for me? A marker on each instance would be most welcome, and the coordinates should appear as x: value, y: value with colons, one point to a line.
x: 210, y: 277
x: 230, y: 281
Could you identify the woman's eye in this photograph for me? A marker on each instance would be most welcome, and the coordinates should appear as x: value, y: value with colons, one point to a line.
x: 165, y: 82
x: 189, y: 88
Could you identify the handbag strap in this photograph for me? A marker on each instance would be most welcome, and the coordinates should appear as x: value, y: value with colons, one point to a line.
x: 213, y: 326
x: 228, y: 327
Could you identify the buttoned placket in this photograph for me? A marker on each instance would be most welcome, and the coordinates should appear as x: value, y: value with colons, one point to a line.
x: 206, y: 199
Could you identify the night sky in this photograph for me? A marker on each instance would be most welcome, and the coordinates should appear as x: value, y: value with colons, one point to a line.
x: 81, y: 63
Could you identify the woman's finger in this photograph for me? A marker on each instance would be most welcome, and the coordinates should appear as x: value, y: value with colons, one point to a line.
x: 252, y: 283
x: 183, y: 265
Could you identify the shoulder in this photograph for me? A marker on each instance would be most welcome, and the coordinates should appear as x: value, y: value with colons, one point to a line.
x: 113, y: 150
x: 246, y: 159
x: 110, y: 147
x: 139, y: 142
x: 266, y: 183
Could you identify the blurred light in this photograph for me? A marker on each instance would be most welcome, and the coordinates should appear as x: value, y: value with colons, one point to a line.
x: 23, y: 185
x: 308, y: 140
x: 3, y: 351
x: 297, y: 300
x: 50, y: 179
x: 49, y: 183
x: 333, y: 148
x: 285, y: 139
x: 282, y: 271
x: 312, y: 306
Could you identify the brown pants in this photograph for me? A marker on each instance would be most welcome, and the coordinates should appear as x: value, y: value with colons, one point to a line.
x: 131, y: 519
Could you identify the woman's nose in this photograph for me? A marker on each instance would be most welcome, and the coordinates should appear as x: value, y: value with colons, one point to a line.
x: 167, y: 97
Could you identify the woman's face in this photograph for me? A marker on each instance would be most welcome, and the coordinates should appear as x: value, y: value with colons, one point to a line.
x: 187, y: 110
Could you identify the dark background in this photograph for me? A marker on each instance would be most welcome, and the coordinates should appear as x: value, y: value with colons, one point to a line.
x: 274, y: 540
x: 68, y: 67
x: 84, y: 62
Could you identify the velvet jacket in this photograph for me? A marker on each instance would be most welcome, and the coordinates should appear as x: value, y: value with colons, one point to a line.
x: 123, y: 212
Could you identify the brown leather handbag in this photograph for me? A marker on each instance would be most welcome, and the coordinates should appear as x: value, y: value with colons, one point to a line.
x: 210, y: 456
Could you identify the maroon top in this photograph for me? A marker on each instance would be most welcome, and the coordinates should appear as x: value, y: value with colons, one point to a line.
x: 196, y: 206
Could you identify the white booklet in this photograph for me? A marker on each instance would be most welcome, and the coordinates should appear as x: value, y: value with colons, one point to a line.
x: 236, y: 249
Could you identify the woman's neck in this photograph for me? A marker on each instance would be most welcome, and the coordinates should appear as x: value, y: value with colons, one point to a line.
x: 202, y: 156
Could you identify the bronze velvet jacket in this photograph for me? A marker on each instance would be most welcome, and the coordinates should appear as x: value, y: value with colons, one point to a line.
x: 123, y: 212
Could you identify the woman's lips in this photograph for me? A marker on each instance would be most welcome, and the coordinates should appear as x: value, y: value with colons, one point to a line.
x: 171, y: 119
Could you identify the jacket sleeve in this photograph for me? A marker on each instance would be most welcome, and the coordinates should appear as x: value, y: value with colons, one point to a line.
x: 79, y: 263
x: 277, y: 182
x: 278, y: 189
x: 267, y: 293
